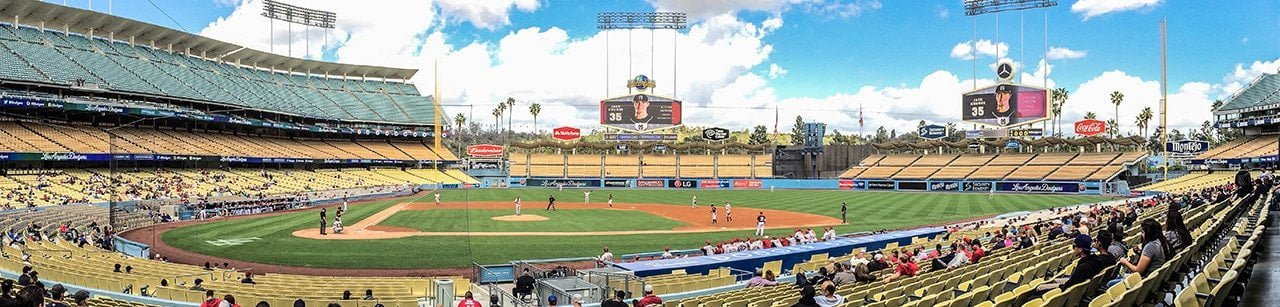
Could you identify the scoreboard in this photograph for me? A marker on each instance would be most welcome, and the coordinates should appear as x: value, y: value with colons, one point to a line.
x: 640, y: 113
x: 1005, y: 105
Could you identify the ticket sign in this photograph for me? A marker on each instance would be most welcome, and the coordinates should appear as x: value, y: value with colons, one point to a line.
x: 1005, y: 105
x: 640, y: 112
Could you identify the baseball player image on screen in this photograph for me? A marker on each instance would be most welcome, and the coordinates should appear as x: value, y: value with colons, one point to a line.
x: 1006, y: 104
x: 641, y: 115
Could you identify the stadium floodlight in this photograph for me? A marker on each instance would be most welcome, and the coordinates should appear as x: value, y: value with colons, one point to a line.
x: 641, y: 20
x: 291, y: 14
x: 979, y: 7
x: 299, y: 15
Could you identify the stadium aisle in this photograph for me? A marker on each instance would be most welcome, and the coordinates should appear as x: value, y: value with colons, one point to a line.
x: 1266, y: 273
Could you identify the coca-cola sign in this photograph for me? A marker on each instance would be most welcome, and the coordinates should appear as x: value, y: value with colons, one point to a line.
x: 484, y: 150
x: 1090, y: 127
x: 566, y: 133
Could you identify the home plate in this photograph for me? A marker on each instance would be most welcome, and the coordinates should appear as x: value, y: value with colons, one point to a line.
x: 520, y: 218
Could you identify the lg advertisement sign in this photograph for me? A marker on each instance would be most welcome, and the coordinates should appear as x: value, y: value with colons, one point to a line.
x: 1090, y: 127
x: 566, y: 133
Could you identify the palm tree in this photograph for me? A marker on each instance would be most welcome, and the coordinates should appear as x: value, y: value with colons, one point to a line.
x: 1059, y: 96
x: 511, y: 105
x: 459, y: 120
x: 497, y: 117
x: 1090, y: 115
x: 1144, y: 118
x: 1116, y: 99
x: 534, y: 109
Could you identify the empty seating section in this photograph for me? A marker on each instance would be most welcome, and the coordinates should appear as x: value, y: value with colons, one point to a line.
x: 57, y: 138
x: 631, y: 166
x: 1016, y: 166
x: 1191, y: 181
x: 1229, y: 149
x: 30, y: 54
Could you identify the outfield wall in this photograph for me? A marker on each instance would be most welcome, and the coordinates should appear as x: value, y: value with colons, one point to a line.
x: 981, y: 186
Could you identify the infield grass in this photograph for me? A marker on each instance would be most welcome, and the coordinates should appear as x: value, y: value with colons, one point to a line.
x: 578, y: 220
x: 867, y: 211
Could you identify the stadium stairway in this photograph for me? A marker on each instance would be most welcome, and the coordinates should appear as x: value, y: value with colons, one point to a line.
x: 1266, y: 273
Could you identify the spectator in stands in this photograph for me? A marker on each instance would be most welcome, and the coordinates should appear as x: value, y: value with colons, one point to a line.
x: 209, y: 299
x: 248, y: 279
x: 958, y: 256
x: 606, y: 257
x: 844, y: 275
x: 56, y: 295
x: 806, y: 297
x: 1117, y: 249
x: 1175, y: 231
x: 666, y: 253
x: 649, y: 298
x: 877, y: 263
x: 81, y: 298
x: 263, y: 304
x: 552, y: 300
x: 976, y: 252
x: 346, y: 295
x: 863, y: 275
x: 199, y: 285
x: 906, y: 268
x: 768, y: 275
x: 128, y: 269
x: 468, y: 301
x: 616, y: 300
x: 1155, y: 248
x: 1090, y: 264
x: 524, y: 284
x: 31, y: 295
x: 368, y: 294
x: 6, y: 288
x: 759, y: 281
x: 228, y: 301
x: 25, y: 279
x: 829, y: 297
x: 117, y: 269
x: 299, y: 303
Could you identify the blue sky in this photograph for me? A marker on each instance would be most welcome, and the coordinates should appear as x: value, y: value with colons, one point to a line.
x: 898, y: 60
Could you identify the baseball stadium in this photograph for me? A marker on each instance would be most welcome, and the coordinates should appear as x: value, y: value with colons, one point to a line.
x: 146, y: 164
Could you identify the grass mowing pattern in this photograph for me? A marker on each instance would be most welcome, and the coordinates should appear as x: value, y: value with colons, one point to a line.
x: 579, y: 220
x: 867, y: 211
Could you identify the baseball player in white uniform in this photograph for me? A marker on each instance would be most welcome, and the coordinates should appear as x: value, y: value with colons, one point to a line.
x: 610, y: 200
x: 728, y: 214
x: 437, y: 198
x: 760, y: 224
x: 694, y: 201
x: 586, y: 197
x: 517, y: 205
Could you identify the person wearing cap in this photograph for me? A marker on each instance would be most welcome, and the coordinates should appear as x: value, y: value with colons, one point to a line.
x: 1089, y: 265
x: 640, y: 112
x: 616, y: 300
x: 551, y: 300
x: 606, y: 257
x: 81, y: 298
x: 666, y: 253
x: 649, y: 299
x: 576, y: 300
x: 524, y: 284
x: 1006, y: 104
x: 56, y: 295
x: 468, y: 301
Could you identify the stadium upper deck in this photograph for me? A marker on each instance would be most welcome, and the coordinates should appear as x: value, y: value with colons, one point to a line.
x: 56, y: 46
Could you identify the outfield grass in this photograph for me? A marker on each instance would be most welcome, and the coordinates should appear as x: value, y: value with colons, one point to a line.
x: 577, y: 220
x: 867, y: 211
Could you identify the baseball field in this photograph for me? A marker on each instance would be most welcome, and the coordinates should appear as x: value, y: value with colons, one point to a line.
x: 479, y: 226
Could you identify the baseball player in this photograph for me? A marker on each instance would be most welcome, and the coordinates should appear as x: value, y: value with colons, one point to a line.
x: 694, y: 201
x: 760, y: 224
x: 337, y: 223
x: 344, y: 203
x: 517, y: 205
x: 713, y: 214
x: 437, y: 198
x: 551, y: 202
x: 610, y: 200
x: 843, y: 209
x: 728, y: 213
x: 586, y: 197
x: 322, y: 220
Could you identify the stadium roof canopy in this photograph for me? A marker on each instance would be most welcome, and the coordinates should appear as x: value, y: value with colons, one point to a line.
x: 1262, y: 94
x: 69, y: 19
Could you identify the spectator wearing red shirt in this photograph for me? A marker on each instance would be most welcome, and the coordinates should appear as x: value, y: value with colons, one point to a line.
x: 468, y: 301
x: 649, y: 298
x: 906, y: 268
x: 977, y: 253
x: 210, y: 300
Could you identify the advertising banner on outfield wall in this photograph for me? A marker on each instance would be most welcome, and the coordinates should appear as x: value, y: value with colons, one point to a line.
x: 747, y: 184
x: 1039, y: 187
x: 977, y: 186
x: 714, y: 184
x: 912, y: 185
x: 880, y: 185
x: 944, y: 186
x: 568, y: 183
x: 846, y: 184
x: 651, y: 183
x: 615, y: 183
x: 682, y: 184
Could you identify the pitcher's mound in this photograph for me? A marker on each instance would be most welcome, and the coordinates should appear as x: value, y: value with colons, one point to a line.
x: 520, y: 218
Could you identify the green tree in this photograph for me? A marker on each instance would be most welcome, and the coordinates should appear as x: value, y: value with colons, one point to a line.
x: 497, y: 117
x: 459, y: 120
x: 1090, y: 115
x: 759, y: 135
x: 882, y: 135
x: 1206, y: 132
x: 1116, y: 99
x: 1144, y: 120
x: 1059, y: 98
x: 797, y: 131
x: 1112, y: 128
x: 534, y: 109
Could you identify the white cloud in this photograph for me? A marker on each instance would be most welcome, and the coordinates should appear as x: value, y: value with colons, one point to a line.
x: 698, y: 10
x: 776, y: 71
x: 487, y: 14
x: 1241, y: 76
x: 360, y: 26
x: 1091, y: 8
x: 1244, y: 40
x: 943, y: 12
x: 985, y: 48
x: 1059, y: 53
